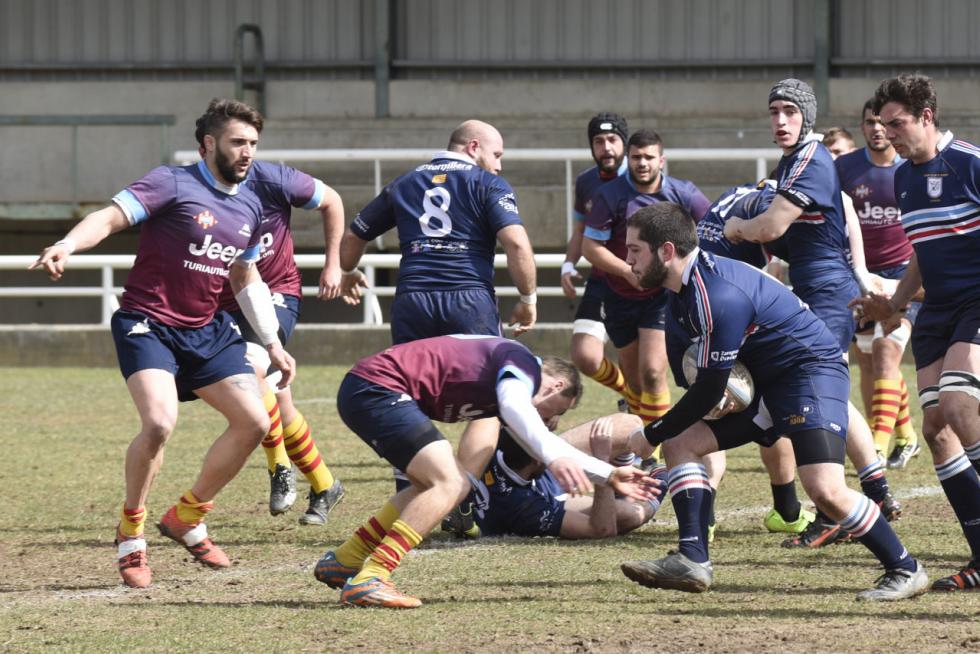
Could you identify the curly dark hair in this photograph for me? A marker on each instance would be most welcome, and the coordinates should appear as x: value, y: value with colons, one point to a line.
x: 220, y: 112
x: 914, y: 92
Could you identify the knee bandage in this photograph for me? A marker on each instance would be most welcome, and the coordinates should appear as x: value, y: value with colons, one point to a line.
x: 863, y: 342
x: 929, y: 397
x: 591, y: 327
x: 960, y: 381
x: 899, y: 335
x: 257, y: 357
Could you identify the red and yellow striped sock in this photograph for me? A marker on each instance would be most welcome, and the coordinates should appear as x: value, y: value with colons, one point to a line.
x: 653, y: 405
x: 131, y: 522
x: 190, y: 510
x: 304, y: 453
x: 389, y: 554
x: 368, y: 536
x: 904, y: 432
x: 610, y: 376
x: 275, y: 451
x: 885, y: 403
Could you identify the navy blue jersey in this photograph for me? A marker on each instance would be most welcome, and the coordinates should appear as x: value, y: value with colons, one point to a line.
x: 448, y: 213
x: 514, y: 505
x: 940, y: 203
x: 816, y: 243
x: 736, y: 311
x: 872, y: 189
x: 745, y: 202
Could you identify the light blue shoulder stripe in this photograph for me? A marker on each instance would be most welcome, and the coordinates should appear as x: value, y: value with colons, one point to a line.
x: 598, y: 234
x: 319, y: 190
x: 251, y: 255
x: 131, y: 206
x: 511, y: 370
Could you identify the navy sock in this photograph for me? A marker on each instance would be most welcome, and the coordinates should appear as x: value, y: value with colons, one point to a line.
x: 962, y: 486
x: 866, y: 523
x: 873, y: 481
x: 691, y: 496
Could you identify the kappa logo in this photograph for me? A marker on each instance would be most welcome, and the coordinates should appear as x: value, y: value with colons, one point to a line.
x: 206, y: 219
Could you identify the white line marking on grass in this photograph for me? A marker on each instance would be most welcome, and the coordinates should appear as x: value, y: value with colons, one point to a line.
x: 317, y: 400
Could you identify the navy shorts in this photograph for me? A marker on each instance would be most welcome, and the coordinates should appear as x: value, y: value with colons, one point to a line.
x: 896, y: 272
x: 389, y: 421
x: 937, y: 328
x: 625, y: 317
x: 593, y: 297
x: 196, y: 357
x: 812, y: 397
x: 287, y: 311
x: 829, y: 303
x: 424, y: 314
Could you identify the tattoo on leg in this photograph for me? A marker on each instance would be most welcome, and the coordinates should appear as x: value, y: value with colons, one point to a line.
x: 247, y: 383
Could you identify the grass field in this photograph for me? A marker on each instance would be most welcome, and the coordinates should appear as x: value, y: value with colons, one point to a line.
x: 67, y: 430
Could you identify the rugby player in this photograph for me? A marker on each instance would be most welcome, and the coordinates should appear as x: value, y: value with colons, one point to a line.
x: 734, y: 311
x: 805, y: 226
x: 390, y: 399
x: 200, y: 230
x: 939, y: 198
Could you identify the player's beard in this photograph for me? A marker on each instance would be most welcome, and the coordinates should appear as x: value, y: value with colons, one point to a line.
x: 609, y: 165
x: 655, y: 275
x: 226, y: 167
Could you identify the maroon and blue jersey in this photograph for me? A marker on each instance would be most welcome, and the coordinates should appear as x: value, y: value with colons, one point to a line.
x: 940, y: 203
x: 279, y: 188
x: 452, y: 378
x: 193, y: 228
x: 616, y: 201
x: 733, y: 310
x: 587, y: 183
x: 448, y: 212
x: 872, y: 188
x: 745, y: 202
x: 816, y: 244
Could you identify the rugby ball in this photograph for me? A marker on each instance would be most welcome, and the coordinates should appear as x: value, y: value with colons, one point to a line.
x: 741, y: 388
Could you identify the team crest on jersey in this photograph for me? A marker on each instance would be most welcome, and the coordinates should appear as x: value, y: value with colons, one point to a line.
x: 206, y: 219
x: 862, y: 191
x: 934, y: 187
x: 439, y: 179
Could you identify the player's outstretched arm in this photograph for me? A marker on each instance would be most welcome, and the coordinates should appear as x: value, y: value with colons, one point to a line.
x: 352, y: 280
x: 88, y: 233
x: 879, y: 307
x: 332, y: 214
x: 767, y: 226
x: 602, y: 258
x: 520, y: 263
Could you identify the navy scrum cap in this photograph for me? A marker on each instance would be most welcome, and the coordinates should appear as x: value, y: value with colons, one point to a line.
x: 608, y: 122
x: 799, y: 93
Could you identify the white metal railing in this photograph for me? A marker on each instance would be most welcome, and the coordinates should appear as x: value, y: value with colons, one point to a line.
x: 108, y: 291
x: 566, y: 155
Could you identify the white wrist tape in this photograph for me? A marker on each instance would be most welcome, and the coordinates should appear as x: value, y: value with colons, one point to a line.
x: 531, y: 298
x: 568, y: 268
x: 255, y: 301
x: 68, y: 243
